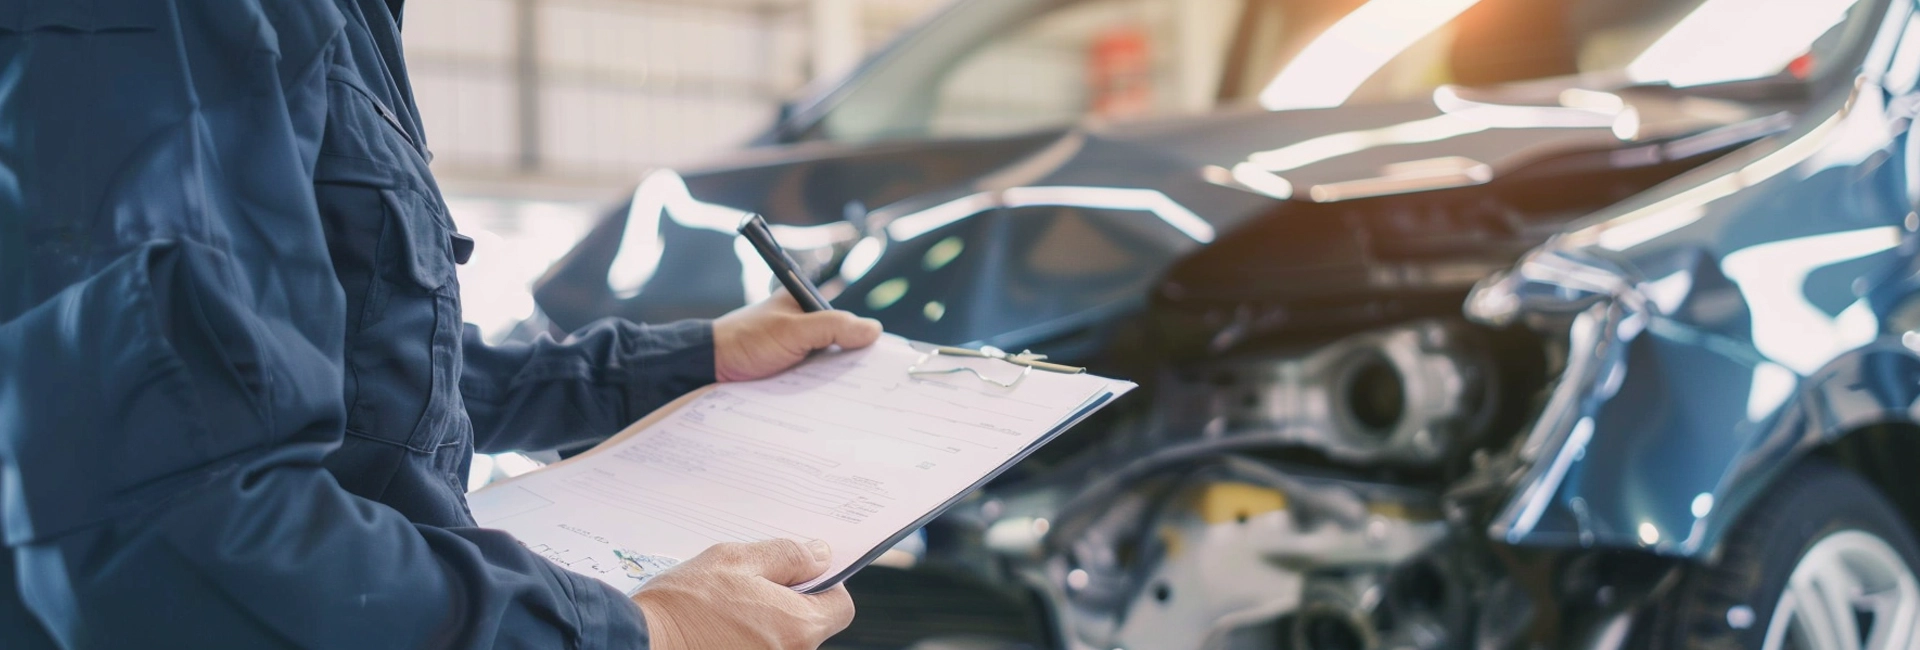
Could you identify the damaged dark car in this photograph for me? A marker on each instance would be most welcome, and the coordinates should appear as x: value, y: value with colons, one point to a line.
x: 1458, y: 323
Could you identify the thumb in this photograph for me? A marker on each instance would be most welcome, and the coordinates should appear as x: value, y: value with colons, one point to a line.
x: 785, y: 561
x: 818, y: 330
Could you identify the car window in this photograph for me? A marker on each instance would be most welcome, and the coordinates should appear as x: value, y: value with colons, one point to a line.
x: 995, y: 67
x: 1111, y: 59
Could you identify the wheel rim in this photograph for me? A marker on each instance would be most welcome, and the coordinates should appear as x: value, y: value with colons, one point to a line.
x: 1851, y: 591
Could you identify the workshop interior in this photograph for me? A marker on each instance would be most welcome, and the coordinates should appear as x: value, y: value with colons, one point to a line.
x: 1456, y: 324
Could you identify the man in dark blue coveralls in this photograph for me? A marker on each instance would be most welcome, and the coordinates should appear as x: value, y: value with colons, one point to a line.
x: 238, y: 402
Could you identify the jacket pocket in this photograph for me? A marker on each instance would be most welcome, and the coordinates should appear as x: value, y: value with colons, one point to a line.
x: 425, y: 254
x: 142, y: 380
x: 404, y: 338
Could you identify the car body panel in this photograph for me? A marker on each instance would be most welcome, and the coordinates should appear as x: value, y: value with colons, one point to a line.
x: 1785, y: 266
x: 1048, y: 201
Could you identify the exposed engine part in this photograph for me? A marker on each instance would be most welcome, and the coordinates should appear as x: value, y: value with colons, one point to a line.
x: 1413, y: 606
x: 1403, y: 393
x: 1337, y: 612
x: 1194, y: 545
x: 1189, y: 562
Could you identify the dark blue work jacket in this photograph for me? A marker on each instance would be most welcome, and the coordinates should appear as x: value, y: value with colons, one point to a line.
x: 237, y: 403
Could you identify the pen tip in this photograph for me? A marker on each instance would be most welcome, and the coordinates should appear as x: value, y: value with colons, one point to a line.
x: 748, y: 219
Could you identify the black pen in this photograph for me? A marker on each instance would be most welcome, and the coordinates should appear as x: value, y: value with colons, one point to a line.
x: 754, y: 228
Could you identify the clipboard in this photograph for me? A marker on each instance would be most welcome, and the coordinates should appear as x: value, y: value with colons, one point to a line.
x: 1063, y: 416
x: 1025, y: 359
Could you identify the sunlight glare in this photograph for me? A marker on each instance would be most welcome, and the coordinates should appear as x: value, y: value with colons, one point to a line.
x: 1335, y: 65
x: 1765, y: 36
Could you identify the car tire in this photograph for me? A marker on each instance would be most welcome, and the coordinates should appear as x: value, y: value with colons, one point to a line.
x: 1822, y: 529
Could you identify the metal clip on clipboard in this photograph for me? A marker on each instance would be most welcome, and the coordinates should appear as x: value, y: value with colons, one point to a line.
x: 1026, y: 359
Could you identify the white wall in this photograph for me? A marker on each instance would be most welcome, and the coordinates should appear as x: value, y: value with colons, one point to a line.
x: 460, y: 57
x: 622, y: 85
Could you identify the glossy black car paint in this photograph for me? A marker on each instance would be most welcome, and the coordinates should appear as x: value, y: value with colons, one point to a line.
x: 1031, y: 272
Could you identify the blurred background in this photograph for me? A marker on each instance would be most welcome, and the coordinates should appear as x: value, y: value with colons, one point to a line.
x: 541, y: 113
x: 1355, y: 251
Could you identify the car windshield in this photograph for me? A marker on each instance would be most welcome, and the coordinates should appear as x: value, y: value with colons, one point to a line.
x: 999, y: 67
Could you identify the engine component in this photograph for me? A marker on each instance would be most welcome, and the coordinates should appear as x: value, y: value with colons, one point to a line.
x: 1417, y: 605
x: 1403, y: 393
x: 1337, y: 613
x: 1193, y: 562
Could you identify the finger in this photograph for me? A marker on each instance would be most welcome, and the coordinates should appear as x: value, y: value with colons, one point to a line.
x: 783, y: 300
x: 783, y: 561
x: 836, y: 608
x: 821, y: 329
x: 858, y: 333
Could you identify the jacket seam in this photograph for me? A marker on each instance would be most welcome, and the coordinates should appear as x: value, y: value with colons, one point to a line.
x: 572, y: 595
x: 368, y: 436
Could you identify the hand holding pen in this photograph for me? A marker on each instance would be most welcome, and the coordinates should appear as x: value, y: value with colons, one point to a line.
x: 764, y: 338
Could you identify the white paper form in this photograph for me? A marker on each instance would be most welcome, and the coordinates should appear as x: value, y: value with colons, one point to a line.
x: 845, y: 448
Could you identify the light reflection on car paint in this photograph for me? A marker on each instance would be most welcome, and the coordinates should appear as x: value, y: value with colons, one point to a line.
x: 1737, y: 255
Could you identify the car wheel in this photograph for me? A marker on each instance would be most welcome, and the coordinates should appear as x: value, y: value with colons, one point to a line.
x: 1821, y: 562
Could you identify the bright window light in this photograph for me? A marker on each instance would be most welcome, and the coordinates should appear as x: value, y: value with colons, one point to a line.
x: 1730, y: 40
x: 1334, y: 65
x: 664, y: 192
x: 639, y: 256
x: 1110, y: 198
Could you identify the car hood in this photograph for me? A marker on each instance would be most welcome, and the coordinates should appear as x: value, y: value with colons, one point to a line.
x: 1022, y: 239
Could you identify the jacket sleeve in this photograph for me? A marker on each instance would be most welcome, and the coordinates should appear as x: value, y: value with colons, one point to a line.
x: 171, y: 338
x: 551, y: 395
